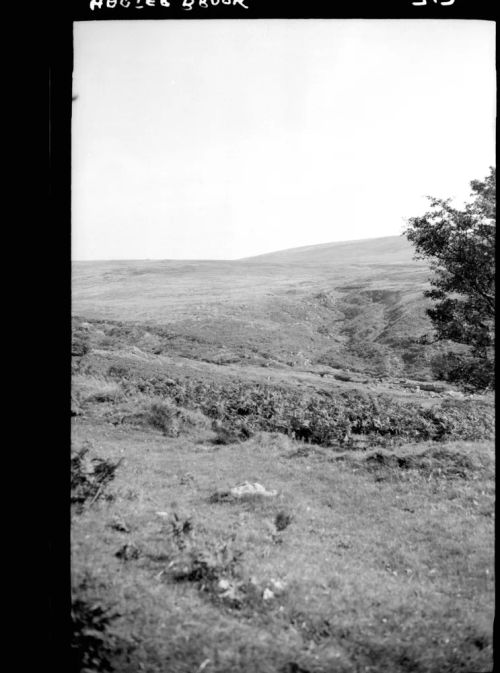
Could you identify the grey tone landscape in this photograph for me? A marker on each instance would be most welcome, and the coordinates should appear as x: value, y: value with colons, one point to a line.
x: 266, y: 473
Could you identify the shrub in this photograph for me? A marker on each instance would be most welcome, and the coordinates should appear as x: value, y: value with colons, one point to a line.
x: 89, y: 477
x: 165, y: 417
x: 327, y: 418
x: 80, y: 344
x: 172, y: 420
x: 205, y: 565
x: 462, y: 419
x: 238, y: 431
x: 472, y: 374
x: 191, y: 561
x: 94, y: 645
x: 180, y: 530
x: 91, y: 644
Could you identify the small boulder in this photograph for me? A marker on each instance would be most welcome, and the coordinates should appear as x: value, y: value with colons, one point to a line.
x: 251, y: 489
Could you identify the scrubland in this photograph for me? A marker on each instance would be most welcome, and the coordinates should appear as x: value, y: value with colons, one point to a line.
x: 375, y: 554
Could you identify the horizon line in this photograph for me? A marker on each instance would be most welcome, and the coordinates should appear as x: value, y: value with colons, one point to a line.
x: 234, y: 259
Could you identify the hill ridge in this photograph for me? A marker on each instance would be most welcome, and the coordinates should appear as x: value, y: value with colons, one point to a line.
x: 395, y: 249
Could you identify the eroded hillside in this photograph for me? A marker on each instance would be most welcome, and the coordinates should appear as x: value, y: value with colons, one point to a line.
x: 364, y: 313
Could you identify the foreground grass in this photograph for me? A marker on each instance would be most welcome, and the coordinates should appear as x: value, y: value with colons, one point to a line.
x: 382, y: 565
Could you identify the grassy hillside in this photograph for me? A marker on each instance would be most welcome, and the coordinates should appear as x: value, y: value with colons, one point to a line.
x: 373, y: 551
x: 352, y: 305
x: 385, y: 250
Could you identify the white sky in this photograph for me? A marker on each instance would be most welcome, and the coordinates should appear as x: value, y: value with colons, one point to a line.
x: 224, y: 139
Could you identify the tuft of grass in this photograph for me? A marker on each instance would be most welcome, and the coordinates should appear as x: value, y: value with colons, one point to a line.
x: 173, y: 420
x: 165, y: 417
x: 118, y: 371
x: 80, y: 344
x: 221, y: 495
x: 117, y: 523
x: 282, y: 520
x: 192, y: 560
x: 181, y: 530
x: 91, y: 389
x: 204, y: 565
x: 128, y: 552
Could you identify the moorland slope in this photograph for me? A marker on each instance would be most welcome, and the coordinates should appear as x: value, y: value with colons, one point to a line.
x: 300, y: 371
x: 356, y: 305
x: 382, y: 250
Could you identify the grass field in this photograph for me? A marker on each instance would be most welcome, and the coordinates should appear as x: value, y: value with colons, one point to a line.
x: 297, y: 371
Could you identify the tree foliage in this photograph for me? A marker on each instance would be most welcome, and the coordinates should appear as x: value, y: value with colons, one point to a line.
x: 460, y: 245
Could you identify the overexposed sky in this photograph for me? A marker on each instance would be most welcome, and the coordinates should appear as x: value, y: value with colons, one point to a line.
x: 223, y: 139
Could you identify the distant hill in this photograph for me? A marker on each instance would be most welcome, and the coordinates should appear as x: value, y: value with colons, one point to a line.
x: 386, y: 250
x: 356, y: 305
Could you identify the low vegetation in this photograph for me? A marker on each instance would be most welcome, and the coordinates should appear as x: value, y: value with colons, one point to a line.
x: 369, y: 546
x: 91, y: 645
x: 378, y: 559
x: 326, y: 418
x: 90, y: 477
x: 95, y: 646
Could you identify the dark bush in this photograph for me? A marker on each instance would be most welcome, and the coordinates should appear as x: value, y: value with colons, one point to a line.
x: 92, y: 647
x: 282, y: 520
x: 80, y: 344
x: 89, y: 477
x: 471, y: 374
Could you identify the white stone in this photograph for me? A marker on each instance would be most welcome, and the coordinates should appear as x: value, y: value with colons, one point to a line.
x: 248, y: 488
